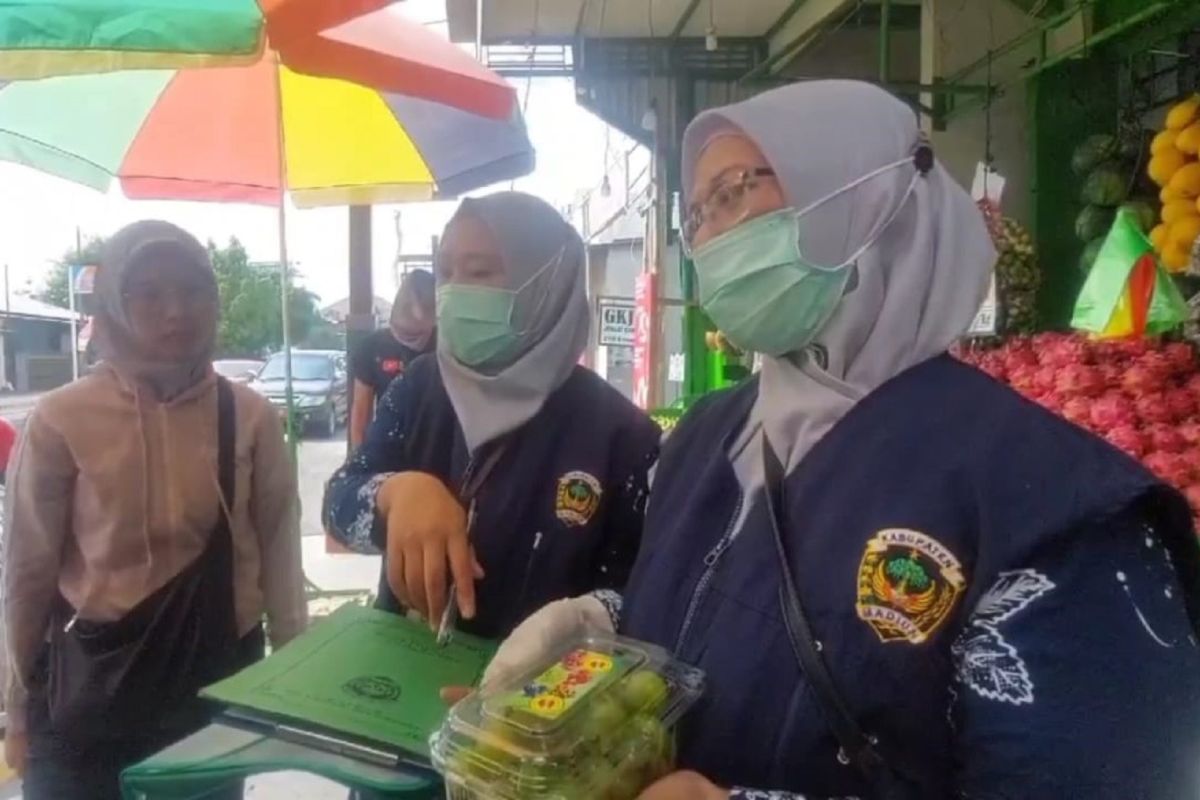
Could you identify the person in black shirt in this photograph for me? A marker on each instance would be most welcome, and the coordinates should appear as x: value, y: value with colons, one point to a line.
x: 383, y: 356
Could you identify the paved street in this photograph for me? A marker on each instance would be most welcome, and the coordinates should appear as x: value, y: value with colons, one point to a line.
x: 16, y: 407
x: 327, y: 571
x: 318, y: 460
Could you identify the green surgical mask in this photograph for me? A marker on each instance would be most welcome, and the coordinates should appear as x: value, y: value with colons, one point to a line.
x: 476, y: 322
x: 760, y: 291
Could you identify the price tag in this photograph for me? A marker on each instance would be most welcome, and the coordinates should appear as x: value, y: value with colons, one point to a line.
x: 988, y: 184
x: 984, y: 323
x: 677, y: 368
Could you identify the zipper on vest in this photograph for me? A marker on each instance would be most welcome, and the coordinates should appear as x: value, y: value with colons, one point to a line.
x: 467, y: 473
x: 710, y: 567
x: 537, y: 542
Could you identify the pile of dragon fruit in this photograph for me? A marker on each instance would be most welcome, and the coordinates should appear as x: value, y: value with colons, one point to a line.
x: 1142, y: 395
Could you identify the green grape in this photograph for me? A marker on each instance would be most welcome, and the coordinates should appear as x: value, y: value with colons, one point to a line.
x: 644, y: 691
x: 604, y: 717
x: 652, y: 734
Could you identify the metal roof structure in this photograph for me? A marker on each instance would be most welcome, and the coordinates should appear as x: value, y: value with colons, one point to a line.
x: 780, y: 30
x: 509, y: 20
x: 24, y: 306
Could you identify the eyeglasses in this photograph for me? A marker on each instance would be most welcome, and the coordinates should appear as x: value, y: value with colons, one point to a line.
x: 725, y: 204
x: 155, y: 300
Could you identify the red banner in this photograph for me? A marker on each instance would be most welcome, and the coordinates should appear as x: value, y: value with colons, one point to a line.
x: 643, y: 298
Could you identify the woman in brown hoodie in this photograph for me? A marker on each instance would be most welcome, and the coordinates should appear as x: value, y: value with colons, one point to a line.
x: 151, y: 524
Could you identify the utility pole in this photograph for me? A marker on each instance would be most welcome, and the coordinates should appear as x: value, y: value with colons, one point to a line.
x: 4, y: 341
x: 72, y: 272
x: 398, y: 261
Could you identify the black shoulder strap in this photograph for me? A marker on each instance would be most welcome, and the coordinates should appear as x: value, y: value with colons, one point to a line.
x: 473, y: 481
x: 226, y: 442
x: 856, y: 747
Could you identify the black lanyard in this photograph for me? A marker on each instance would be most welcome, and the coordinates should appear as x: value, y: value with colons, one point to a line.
x: 474, y: 477
x: 856, y: 747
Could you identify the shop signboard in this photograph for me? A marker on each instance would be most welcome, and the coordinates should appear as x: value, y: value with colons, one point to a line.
x: 643, y: 372
x: 83, y: 279
x: 616, y: 316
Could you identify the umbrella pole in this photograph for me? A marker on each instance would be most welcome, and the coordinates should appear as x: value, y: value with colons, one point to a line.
x: 284, y: 294
x: 289, y: 428
x: 73, y: 271
x: 479, y: 31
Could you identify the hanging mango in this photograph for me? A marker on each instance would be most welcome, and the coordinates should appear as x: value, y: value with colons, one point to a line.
x: 1174, y: 166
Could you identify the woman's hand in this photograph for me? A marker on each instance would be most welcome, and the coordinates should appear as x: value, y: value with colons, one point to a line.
x: 426, y: 529
x: 451, y: 695
x: 684, y: 785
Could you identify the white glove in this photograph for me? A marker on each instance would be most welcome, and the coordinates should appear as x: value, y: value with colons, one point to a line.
x: 536, y: 639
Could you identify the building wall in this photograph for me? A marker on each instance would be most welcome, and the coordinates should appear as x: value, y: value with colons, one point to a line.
x: 958, y: 33
x: 854, y: 53
x: 613, y: 269
x: 37, y: 354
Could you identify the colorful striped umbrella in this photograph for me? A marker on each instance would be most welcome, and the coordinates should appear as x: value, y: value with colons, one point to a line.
x: 254, y: 133
x: 249, y: 134
x: 366, y: 41
x: 54, y: 37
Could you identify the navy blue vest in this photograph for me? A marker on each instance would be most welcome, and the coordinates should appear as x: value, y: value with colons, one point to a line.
x: 560, y: 514
x: 918, y: 500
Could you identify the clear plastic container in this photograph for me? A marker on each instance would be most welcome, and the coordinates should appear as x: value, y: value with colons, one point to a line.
x: 596, y: 722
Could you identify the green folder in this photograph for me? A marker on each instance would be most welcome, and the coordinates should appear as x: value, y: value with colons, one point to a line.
x: 362, y: 682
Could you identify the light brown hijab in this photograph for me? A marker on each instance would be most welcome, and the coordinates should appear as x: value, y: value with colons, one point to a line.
x: 116, y: 342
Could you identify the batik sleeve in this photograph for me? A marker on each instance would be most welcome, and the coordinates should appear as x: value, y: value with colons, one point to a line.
x: 1078, y: 672
x: 349, y: 512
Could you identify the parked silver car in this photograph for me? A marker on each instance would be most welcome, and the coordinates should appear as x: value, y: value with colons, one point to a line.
x: 238, y: 370
x: 320, y: 389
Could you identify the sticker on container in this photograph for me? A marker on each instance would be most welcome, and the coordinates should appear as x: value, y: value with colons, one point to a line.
x: 564, y: 684
x: 908, y: 582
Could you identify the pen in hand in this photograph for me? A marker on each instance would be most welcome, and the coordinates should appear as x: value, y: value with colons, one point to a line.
x: 445, y: 630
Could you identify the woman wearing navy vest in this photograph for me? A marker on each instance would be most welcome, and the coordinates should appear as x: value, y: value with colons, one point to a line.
x: 500, y: 465
x: 901, y: 579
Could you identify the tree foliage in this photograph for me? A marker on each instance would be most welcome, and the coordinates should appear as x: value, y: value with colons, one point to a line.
x: 250, y: 323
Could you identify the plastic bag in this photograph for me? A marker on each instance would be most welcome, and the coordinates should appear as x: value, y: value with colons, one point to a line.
x: 1128, y: 292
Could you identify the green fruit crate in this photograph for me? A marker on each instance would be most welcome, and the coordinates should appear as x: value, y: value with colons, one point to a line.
x: 596, y: 721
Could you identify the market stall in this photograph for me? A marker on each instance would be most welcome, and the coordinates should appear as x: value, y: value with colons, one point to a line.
x: 1128, y: 372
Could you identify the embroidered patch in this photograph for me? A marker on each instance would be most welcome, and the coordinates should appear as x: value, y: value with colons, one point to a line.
x: 577, y: 499
x: 907, y: 584
x: 987, y: 663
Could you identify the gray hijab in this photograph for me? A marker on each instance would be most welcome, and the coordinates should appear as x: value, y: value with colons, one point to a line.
x: 148, y: 241
x: 551, y: 312
x: 917, y: 287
